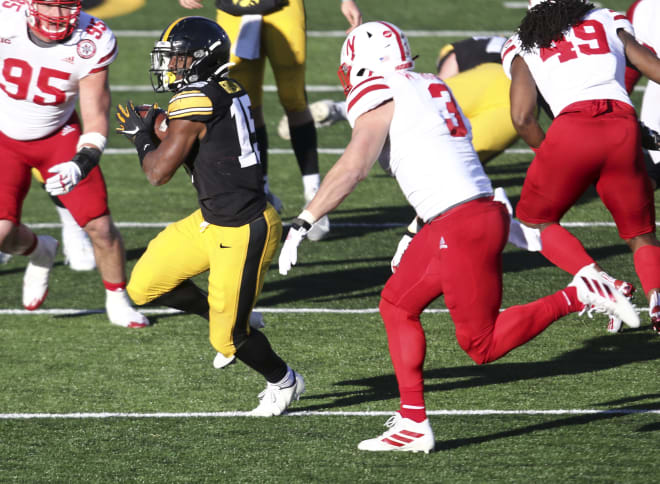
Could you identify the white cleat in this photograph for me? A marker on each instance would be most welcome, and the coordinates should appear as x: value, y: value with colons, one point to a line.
x: 77, y: 248
x: 319, y: 230
x: 615, y: 325
x: 325, y: 112
x: 4, y: 257
x: 35, y: 280
x: 275, y: 400
x: 599, y: 295
x: 120, y: 312
x: 404, y: 435
x: 654, y: 312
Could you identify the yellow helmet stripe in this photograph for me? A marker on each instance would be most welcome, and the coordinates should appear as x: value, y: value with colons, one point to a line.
x: 167, y: 32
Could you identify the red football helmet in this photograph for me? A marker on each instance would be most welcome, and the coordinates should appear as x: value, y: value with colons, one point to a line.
x: 57, y: 22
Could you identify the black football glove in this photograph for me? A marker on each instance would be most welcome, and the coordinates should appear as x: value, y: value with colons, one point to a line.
x: 650, y: 138
x: 136, y: 128
x: 131, y: 123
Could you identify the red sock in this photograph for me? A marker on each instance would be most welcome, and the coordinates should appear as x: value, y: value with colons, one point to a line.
x: 563, y: 249
x: 647, y: 265
x: 574, y: 304
x: 115, y: 286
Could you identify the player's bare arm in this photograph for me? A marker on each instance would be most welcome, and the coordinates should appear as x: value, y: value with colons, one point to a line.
x: 160, y: 164
x: 95, y: 103
x: 523, y: 104
x: 352, y: 13
x: 641, y: 57
x: 369, y: 135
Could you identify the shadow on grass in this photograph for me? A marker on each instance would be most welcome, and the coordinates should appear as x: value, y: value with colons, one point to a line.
x: 597, y: 354
x: 558, y: 423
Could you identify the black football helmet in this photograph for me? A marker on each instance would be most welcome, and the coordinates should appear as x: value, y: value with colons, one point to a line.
x: 190, y: 49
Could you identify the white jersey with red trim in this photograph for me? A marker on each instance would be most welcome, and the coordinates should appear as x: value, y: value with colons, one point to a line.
x: 39, y: 85
x: 588, y: 63
x: 644, y: 16
x: 431, y: 153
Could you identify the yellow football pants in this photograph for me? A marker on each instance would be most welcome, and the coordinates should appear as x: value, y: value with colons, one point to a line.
x: 237, y: 259
x: 283, y: 42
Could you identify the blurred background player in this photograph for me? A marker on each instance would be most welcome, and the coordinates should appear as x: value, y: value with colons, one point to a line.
x: 644, y: 16
x: 235, y: 233
x: 458, y: 252
x: 276, y: 30
x: 57, y: 55
x: 77, y: 248
x: 575, y: 55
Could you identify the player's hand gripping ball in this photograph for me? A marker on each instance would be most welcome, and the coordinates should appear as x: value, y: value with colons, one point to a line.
x: 160, y: 121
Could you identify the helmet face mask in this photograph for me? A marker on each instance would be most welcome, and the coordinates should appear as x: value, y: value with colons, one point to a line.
x: 53, y: 19
x: 191, y: 49
x: 373, y: 48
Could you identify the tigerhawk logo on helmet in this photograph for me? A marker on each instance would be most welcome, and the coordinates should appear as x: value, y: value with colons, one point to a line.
x: 42, y: 17
x: 189, y: 50
x: 373, y: 48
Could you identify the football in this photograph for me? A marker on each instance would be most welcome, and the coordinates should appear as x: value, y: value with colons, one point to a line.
x: 160, y: 123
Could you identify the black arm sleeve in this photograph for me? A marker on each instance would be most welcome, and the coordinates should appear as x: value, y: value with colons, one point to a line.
x: 86, y: 159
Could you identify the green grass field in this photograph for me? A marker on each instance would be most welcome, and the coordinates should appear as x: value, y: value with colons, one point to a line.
x: 85, y: 401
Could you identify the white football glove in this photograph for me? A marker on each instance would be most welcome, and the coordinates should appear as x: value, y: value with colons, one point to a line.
x: 289, y: 252
x: 67, y: 175
x: 400, y: 249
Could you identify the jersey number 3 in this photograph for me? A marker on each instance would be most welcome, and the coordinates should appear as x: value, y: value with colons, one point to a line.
x: 448, y: 109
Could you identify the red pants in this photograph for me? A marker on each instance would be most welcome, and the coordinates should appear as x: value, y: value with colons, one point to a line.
x: 87, y: 201
x: 591, y: 142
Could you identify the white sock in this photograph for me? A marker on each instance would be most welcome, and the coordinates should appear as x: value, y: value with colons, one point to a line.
x: 288, y: 380
x: 66, y: 218
x: 341, y: 107
x: 311, y: 185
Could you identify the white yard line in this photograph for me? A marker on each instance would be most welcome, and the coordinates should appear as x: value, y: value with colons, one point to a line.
x: 104, y: 415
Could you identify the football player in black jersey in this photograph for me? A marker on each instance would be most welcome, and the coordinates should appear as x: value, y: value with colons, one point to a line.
x: 235, y: 232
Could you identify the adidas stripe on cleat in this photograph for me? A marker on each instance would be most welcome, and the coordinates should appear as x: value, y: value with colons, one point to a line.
x: 405, y: 435
x: 599, y: 295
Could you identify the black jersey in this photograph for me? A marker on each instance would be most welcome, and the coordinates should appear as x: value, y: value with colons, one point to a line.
x: 224, y: 166
x: 473, y: 51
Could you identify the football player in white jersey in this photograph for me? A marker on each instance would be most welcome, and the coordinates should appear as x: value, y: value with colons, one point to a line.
x: 576, y: 54
x: 644, y: 16
x: 458, y: 251
x: 52, y: 55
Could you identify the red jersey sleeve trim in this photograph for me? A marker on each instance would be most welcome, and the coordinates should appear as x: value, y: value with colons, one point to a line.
x: 365, y: 91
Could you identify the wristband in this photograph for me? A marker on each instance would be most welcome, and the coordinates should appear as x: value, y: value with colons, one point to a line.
x: 144, y: 144
x: 86, y: 159
x: 298, y: 223
x: 96, y: 139
x: 307, y: 216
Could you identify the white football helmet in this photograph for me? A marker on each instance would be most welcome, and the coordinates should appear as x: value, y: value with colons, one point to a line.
x: 54, y: 19
x: 373, y: 48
